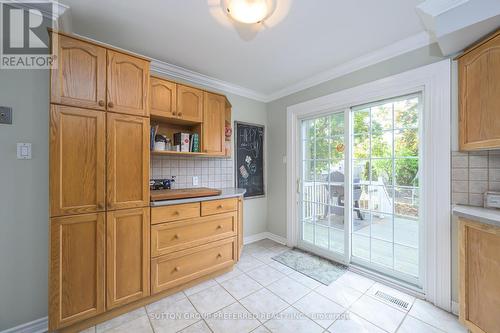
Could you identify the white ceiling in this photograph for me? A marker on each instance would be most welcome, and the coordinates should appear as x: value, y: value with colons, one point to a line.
x: 306, y: 37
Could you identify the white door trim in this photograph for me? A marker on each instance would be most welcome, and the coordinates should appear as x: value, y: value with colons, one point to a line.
x: 434, y: 82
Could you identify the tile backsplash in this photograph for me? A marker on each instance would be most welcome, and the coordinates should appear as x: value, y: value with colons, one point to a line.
x: 211, y: 172
x: 472, y: 174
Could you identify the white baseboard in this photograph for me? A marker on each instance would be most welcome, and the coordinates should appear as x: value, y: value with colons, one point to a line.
x: 455, y: 308
x: 264, y: 235
x: 36, y: 326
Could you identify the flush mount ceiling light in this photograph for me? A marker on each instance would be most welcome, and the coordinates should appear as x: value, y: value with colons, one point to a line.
x: 249, y: 11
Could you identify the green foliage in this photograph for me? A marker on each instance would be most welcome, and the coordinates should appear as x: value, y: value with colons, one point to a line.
x: 384, y: 124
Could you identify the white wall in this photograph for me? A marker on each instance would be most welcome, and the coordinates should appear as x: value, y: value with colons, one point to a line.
x: 23, y: 198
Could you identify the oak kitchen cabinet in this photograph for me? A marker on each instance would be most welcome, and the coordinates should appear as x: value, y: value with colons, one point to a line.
x: 99, y: 163
x: 163, y: 98
x: 127, y: 161
x: 90, y: 76
x: 127, y: 264
x: 213, y: 142
x: 78, y: 62
x: 103, y: 261
x: 128, y: 84
x: 479, y: 268
x: 479, y: 95
x: 77, y: 160
x: 76, y: 281
x: 189, y: 103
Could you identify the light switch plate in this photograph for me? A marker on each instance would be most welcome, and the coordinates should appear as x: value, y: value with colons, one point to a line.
x: 195, y: 180
x: 23, y: 151
x: 5, y: 115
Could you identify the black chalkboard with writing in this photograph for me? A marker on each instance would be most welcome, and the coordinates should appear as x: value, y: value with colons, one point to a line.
x: 249, y: 159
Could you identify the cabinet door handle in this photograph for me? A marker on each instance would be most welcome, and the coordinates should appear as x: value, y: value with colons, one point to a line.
x: 174, y: 113
x: 177, y: 269
x: 110, y: 104
x: 100, y: 205
x: 219, y: 255
x: 101, y: 103
x: 176, y: 236
x: 219, y: 226
x: 179, y: 114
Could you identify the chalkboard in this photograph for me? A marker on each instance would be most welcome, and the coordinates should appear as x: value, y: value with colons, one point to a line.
x: 249, y: 159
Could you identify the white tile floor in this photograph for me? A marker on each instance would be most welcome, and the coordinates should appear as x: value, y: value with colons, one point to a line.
x: 261, y: 295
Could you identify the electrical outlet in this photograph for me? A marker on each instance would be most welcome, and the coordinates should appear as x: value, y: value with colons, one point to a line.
x: 195, y: 180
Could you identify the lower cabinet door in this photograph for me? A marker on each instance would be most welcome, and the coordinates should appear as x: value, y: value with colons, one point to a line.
x: 181, y: 267
x: 128, y: 256
x: 76, y: 282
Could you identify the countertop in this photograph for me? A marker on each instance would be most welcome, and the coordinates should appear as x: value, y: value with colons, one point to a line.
x: 487, y: 216
x: 226, y: 193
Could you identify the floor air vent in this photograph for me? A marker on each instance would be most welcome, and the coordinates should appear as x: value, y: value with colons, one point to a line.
x: 391, y: 299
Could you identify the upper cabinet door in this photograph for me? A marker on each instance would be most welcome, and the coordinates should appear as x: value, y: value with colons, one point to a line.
x: 163, y: 98
x: 80, y: 76
x: 128, y: 256
x: 128, y: 84
x: 77, y: 160
x: 213, y: 124
x: 128, y: 161
x: 479, y: 81
x: 189, y: 103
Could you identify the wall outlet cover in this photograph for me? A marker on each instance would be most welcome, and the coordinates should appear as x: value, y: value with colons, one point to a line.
x: 23, y: 151
x: 195, y: 180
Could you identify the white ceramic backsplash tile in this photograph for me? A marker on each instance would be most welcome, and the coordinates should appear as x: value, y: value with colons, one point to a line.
x: 472, y: 174
x: 211, y: 172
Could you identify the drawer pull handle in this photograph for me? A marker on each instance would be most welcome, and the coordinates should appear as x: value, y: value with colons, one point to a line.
x: 220, y: 207
x: 176, y: 236
x: 176, y: 212
x: 219, y: 226
x: 219, y: 255
x: 177, y: 269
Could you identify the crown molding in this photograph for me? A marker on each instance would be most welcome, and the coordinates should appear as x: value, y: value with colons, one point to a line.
x: 401, y: 47
x: 164, y: 68
x: 58, y: 8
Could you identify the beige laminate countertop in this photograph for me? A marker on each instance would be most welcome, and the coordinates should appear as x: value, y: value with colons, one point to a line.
x: 483, y: 215
x: 226, y: 193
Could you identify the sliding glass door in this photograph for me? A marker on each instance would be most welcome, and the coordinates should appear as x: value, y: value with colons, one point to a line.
x: 322, y: 218
x: 367, y: 157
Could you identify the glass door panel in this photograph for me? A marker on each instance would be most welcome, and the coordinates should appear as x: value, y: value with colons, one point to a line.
x: 322, y: 193
x: 385, y: 186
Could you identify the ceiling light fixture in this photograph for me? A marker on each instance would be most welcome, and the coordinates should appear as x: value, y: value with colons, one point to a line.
x: 248, y: 11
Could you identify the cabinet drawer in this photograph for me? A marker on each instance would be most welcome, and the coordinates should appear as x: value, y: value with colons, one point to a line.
x: 180, y: 267
x: 219, y: 206
x: 175, y: 212
x: 175, y: 236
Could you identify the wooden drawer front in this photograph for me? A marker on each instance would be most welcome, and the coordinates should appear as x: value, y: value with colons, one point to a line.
x: 175, y: 212
x: 219, y: 206
x: 175, y: 236
x: 180, y: 267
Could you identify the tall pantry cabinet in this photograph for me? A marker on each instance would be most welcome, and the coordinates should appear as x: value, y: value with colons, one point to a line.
x: 99, y: 181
